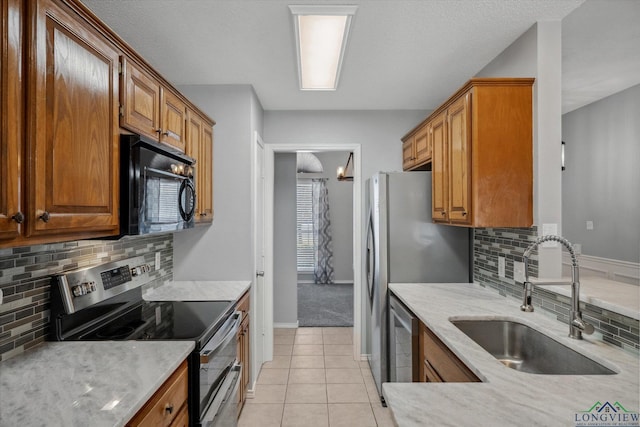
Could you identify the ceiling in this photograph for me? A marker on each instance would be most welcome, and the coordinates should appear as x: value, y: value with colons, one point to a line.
x: 402, y: 54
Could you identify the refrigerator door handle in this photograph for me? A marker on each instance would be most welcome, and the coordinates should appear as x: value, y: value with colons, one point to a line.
x: 371, y: 257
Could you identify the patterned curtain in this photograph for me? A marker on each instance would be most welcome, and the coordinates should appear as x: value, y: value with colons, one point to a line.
x: 323, y: 247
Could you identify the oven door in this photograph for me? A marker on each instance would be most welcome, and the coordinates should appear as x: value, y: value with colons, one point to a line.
x: 217, y: 359
x: 223, y: 411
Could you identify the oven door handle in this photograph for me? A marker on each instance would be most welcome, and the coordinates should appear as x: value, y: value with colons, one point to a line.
x: 229, y: 331
x: 227, y: 391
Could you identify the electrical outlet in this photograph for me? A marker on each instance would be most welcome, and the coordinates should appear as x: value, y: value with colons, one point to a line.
x: 157, y: 261
x: 518, y: 271
x: 501, y: 264
x: 577, y: 248
x: 589, y: 225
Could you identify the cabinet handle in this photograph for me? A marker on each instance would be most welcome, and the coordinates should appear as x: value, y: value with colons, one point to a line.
x: 157, y: 130
x: 168, y: 408
x: 464, y: 214
x: 165, y: 133
x: 45, y: 217
x: 18, y: 217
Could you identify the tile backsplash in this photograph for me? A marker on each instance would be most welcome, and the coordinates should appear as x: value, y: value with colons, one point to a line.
x: 490, y: 243
x: 25, y: 280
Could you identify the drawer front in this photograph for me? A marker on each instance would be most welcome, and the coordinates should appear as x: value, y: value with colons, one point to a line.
x: 166, y: 404
x: 445, y: 364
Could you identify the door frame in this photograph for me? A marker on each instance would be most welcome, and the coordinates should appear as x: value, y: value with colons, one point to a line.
x: 269, y: 153
x: 255, y: 323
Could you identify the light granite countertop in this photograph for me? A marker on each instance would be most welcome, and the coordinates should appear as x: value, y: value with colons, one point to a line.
x: 90, y: 383
x: 619, y: 297
x: 198, y: 290
x: 505, y: 397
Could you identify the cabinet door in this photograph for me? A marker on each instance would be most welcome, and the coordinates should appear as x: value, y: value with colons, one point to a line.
x: 422, y: 145
x: 407, y: 154
x: 140, y: 101
x: 245, y: 353
x: 206, y: 156
x: 74, y: 133
x: 199, y: 146
x: 459, y: 120
x: 440, y: 169
x: 11, y: 115
x: 173, y: 119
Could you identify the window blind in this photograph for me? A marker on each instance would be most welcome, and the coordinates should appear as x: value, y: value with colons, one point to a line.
x: 304, y: 227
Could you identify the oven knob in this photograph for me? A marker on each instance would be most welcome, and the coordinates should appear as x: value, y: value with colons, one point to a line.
x: 134, y: 272
x: 78, y: 291
x: 92, y: 287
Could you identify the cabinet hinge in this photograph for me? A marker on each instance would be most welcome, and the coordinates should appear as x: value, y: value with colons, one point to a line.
x: 119, y: 67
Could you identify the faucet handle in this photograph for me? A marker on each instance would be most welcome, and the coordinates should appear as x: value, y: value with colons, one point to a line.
x: 526, y: 300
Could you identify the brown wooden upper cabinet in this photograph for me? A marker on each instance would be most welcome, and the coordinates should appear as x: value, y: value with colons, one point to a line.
x: 417, y: 149
x: 72, y: 125
x: 60, y: 90
x: 200, y: 147
x: 11, y: 108
x: 482, y: 154
x: 151, y: 109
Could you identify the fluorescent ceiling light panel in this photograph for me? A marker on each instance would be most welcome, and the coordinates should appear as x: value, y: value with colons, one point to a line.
x: 321, y: 37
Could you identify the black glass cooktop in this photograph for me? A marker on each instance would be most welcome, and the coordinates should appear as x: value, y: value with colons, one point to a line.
x: 162, y: 320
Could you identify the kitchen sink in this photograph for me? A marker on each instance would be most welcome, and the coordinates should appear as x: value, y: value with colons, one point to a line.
x: 525, y: 349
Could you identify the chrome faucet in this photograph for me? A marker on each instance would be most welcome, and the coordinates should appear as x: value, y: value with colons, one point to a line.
x: 576, y: 325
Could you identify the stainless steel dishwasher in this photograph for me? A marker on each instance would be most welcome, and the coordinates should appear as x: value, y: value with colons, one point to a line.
x: 403, y: 343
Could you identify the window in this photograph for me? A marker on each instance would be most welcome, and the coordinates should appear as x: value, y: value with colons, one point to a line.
x: 304, y: 226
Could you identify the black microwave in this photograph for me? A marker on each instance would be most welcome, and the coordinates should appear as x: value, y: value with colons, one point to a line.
x: 157, y: 191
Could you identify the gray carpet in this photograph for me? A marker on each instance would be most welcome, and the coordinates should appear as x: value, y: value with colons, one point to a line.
x: 325, y: 305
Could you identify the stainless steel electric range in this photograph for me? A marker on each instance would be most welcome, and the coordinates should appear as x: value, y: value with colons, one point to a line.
x: 105, y: 302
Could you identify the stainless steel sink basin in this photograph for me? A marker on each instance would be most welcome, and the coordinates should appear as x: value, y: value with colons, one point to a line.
x: 522, y: 348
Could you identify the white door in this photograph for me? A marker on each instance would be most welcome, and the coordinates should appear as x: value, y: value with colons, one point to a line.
x: 258, y: 297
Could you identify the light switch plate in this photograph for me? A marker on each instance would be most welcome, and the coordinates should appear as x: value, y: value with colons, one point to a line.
x: 577, y: 248
x: 157, y: 267
x: 589, y: 225
x: 501, y: 264
x: 518, y: 271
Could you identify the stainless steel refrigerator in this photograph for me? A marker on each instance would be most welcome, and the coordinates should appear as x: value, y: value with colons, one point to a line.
x: 405, y: 246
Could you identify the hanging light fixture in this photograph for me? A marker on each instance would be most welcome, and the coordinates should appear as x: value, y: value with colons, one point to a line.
x: 321, y: 33
x: 342, y: 171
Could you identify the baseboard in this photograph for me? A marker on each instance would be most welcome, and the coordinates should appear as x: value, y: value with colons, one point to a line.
x: 286, y: 325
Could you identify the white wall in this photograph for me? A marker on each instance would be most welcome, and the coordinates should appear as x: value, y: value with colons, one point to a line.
x: 285, y: 280
x: 538, y: 53
x: 224, y: 251
x: 601, y: 182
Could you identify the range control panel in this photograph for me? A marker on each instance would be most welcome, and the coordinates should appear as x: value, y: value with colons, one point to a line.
x: 83, y: 288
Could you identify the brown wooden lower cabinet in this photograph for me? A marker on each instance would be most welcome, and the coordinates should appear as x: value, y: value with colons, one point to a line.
x: 168, y: 406
x: 243, y: 349
x: 438, y: 363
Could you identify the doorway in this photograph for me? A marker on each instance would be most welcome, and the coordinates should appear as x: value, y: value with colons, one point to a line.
x: 324, y: 240
x: 269, y: 155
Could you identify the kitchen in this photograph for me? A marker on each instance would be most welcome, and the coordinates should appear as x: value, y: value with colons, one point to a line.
x: 220, y: 252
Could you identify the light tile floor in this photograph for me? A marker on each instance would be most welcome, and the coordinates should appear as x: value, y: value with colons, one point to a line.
x: 313, y: 381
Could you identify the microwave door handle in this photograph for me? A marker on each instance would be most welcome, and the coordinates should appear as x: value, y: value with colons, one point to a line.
x: 212, y: 348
